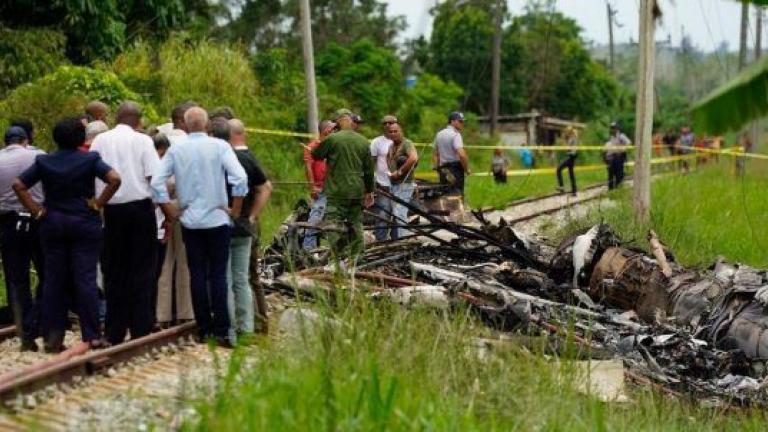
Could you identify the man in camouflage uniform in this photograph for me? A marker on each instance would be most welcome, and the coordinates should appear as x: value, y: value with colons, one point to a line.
x: 348, y: 185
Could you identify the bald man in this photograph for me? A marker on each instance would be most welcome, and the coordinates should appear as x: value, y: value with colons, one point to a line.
x: 203, y: 165
x: 245, y: 238
x: 130, y: 228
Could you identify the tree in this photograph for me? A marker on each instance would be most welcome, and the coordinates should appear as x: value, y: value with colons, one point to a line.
x: 265, y: 24
x: 26, y: 55
x: 460, y: 49
x: 545, y: 65
x: 99, y: 29
x: 364, y: 73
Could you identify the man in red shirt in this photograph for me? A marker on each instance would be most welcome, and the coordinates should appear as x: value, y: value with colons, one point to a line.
x: 315, y: 170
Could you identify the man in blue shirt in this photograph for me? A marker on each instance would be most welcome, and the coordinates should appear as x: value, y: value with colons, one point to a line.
x: 203, y: 165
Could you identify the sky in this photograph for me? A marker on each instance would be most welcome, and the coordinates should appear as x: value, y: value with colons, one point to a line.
x: 707, y: 22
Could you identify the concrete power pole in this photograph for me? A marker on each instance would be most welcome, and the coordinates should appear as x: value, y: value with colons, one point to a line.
x: 611, y: 53
x: 758, y: 32
x: 743, y: 35
x: 496, y: 78
x: 309, y: 66
x: 644, y: 114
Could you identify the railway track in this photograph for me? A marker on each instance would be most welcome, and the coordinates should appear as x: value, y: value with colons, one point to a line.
x: 78, y: 363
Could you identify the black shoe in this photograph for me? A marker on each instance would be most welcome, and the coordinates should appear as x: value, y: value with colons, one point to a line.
x: 223, y: 342
x: 53, y: 349
x: 29, y: 345
x: 99, y: 344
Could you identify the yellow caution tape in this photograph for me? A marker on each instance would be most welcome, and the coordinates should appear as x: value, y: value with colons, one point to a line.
x: 550, y: 171
x: 733, y: 151
x: 280, y: 133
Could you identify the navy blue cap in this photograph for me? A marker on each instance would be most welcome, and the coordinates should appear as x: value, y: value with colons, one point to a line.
x: 15, y: 135
x: 456, y: 115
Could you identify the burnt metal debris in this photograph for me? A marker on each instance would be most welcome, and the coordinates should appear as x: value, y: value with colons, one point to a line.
x: 700, y: 333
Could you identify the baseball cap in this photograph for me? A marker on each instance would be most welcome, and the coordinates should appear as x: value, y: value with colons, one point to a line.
x: 389, y: 119
x: 15, y: 135
x: 341, y: 113
x: 614, y: 125
x: 456, y: 115
x: 357, y: 119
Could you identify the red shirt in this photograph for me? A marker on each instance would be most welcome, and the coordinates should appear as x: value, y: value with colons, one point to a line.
x: 317, y: 166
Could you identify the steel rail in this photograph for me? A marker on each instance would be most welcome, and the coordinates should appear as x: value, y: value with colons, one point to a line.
x: 65, y: 370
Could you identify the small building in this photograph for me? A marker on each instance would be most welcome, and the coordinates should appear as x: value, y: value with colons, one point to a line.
x: 532, y: 128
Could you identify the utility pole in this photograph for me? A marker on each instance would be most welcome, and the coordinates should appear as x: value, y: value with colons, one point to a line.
x: 496, y: 75
x: 743, y: 35
x: 644, y: 114
x: 611, y: 58
x: 309, y: 66
x: 758, y: 32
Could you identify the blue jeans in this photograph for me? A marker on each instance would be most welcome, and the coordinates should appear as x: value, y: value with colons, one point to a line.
x: 207, y: 256
x: 239, y: 295
x: 382, y: 206
x: 316, y: 214
x: 403, y: 191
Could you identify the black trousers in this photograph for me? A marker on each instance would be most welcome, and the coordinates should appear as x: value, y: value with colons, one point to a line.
x: 129, y: 263
x: 567, y: 163
x: 207, y: 256
x: 615, y: 171
x: 20, y: 248
x: 452, y: 173
x: 71, y: 244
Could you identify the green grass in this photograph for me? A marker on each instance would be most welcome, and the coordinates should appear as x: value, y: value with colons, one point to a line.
x: 701, y: 215
x: 388, y: 368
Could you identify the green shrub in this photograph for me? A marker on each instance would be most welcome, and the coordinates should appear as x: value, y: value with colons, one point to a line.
x: 209, y: 73
x: 65, y: 93
x: 138, y: 68
x: 26, y: 55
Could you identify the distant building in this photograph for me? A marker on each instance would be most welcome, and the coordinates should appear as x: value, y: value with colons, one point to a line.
x: 532, y: 128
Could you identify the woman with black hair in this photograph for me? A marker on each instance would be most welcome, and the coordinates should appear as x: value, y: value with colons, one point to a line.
x: 70, y: 230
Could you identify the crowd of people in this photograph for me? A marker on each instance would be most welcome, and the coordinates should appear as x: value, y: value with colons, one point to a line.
x: 166, y: 218
x: 134, y: 229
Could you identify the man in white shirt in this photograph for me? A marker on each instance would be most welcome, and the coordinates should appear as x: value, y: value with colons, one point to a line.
x: 130, y: 230
x: 379, y: 150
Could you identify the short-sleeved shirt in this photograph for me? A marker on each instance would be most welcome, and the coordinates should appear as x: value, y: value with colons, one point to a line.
x: 447, y: 143
x: 616, y: 145
x: 317, y: 167
x: 68, y: 178
x: 499, y: 164
x: 379, y: 150
x: 256, y: 178
x: 350, y: 166
x: 400, y: 153
x: 14, y: 160
x: 133, y: 156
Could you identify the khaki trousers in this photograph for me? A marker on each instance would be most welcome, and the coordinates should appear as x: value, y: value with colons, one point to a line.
x: 175, y: 258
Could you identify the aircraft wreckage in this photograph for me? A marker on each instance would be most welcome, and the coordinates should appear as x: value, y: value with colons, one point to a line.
x: 700, y: 333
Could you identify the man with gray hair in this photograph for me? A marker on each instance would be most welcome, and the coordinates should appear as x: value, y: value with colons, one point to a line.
x: 130, y: 227
x: 93, y: 129
x: 203, y: 165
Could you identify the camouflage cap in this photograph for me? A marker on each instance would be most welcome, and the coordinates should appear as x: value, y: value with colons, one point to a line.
x: 341, y: 113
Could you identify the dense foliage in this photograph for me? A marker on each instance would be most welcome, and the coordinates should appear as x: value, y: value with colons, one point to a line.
x: 545, y: 64
x: 64, y: 93
x: 26, y: 55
